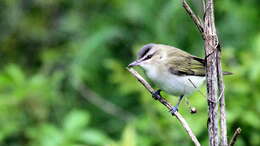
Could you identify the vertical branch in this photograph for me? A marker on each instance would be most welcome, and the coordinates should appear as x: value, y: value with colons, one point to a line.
x: 212, y: 88
x: 210, y: 44
x: 214, y: 75
x: 223, y: 121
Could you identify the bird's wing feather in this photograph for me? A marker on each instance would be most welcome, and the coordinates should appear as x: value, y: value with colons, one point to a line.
x: 186, y: 64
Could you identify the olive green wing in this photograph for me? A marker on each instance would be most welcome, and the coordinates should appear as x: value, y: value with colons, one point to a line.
x: 185, y: 64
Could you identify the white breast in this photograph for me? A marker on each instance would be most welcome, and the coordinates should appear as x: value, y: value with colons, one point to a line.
x: 173, y: 84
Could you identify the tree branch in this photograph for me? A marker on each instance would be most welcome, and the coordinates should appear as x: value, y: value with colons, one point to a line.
x: 194, y: 17
x: 223, y: 121
x: 215, y: 86
x: 210, y: 44
x: 234, y: 137
x: 166, y: 104
x: 104, y: 105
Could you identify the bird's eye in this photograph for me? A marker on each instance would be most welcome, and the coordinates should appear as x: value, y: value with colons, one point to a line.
x: 148, y: 56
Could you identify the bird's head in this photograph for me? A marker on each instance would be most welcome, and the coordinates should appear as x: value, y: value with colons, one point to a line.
x: 149, y: 55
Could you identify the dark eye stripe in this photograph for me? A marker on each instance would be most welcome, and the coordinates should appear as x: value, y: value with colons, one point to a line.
x: 145, y: 50
x: 148, y: 57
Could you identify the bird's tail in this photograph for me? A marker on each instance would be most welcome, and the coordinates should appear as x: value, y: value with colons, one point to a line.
x: 227, y: 73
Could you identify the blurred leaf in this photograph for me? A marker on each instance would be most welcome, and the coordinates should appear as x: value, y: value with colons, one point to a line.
x: 75, y: 121
x: 15, y: 73
x: 129, y: 136
x: 94, y: 137
x: 46, y: 135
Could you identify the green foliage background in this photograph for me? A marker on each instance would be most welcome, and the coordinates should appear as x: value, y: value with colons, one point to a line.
x: 63, y: 64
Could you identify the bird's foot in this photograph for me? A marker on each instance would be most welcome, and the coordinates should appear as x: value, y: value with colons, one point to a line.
x: 157, y: 94
x: 174, y: 109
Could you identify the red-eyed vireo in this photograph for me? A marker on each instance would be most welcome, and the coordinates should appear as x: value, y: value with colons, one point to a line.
x: 171, y: 69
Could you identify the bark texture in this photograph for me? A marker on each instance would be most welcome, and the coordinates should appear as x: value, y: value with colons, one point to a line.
x: 211, y: 45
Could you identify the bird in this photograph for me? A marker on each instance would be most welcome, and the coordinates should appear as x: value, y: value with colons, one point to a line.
x: 173, y: 70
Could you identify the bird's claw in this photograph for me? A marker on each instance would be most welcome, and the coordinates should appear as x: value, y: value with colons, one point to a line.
x: 156, y: 95
x: 174, y: 109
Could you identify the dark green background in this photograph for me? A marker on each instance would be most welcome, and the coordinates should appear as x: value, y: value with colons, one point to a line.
x: 63, y: 80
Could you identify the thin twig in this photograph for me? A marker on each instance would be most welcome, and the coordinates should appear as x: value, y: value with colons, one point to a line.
x: 197, y: 88
x: 203, y: 5
x: 201, y: 92
x: 194, y: 17
x: 234, y: 137
x: 166, y: 104
x: 103, y: 104
x: 220, y: 95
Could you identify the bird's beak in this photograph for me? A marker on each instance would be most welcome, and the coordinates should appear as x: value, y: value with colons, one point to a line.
x: 135, y: 63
